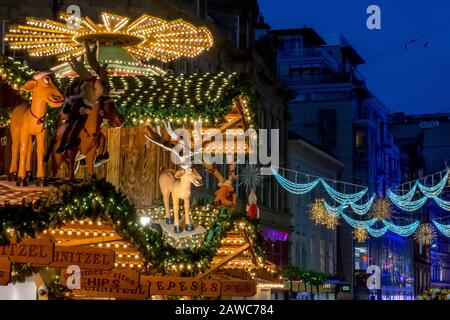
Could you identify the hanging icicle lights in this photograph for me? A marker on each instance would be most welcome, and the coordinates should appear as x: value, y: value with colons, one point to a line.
x: 444, y: 229
x: 404, y: 231
x: 403, y: 202
x: 145, y: 38
x: 406, y: 203
x: 302, y: 188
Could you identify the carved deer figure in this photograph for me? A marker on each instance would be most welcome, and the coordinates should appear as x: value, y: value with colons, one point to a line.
x: 177, y: 183
x: 27, y: 120
x: 90, y: 94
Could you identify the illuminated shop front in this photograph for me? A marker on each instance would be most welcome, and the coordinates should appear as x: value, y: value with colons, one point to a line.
x: 394, y: 255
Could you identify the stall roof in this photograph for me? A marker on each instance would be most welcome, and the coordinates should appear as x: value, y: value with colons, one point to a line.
x: 179, y: 98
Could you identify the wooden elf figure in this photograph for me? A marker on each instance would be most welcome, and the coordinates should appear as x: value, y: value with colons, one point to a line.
x: 226, y: 193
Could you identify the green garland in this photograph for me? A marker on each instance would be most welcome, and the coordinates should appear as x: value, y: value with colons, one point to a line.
x: 16, y: 74
x: 99, y: 200
x: 56, y: 290
x: 295, y: 273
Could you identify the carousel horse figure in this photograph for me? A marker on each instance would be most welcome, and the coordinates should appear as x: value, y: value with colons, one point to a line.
x: 27, y: 121
x: 78, y: 133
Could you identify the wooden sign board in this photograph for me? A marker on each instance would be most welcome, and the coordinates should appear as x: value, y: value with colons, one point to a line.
x: 5, y: 271
x: 33, y: 251
x: 116, y: 278
x: 211, y: 288
x: 238, y: 288
x: 84, y: 257
x: 175, y: 286
x: 141, y: 293
x: 184, y: 286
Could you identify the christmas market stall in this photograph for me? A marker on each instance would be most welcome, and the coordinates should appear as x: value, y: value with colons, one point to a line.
x: 97, y: 216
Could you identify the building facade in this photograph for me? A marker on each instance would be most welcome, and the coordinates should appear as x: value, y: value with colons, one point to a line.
x: 426, y: 150
x: 312, y: 247
x: 233, y: 24
x: 335, y: 110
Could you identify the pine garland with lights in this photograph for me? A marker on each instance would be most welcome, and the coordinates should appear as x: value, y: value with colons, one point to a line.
x: 98, y: 200
x: 15, y: 74
x: 21, y: 271
x: 296, y: 273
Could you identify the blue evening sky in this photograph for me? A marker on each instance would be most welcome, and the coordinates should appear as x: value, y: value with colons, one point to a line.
x: 415, y: 80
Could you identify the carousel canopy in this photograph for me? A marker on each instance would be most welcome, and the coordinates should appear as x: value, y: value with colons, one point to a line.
x: 145, y: 38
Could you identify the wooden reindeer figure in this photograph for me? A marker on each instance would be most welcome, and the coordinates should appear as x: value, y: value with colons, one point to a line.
x: 177, y: 183
x: 88, y: 103
x: 27, y: 121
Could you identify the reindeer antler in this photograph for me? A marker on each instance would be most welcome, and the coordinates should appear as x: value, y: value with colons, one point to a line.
x: 185, y: 161
x: 79, y: 68
x: 101, y: 70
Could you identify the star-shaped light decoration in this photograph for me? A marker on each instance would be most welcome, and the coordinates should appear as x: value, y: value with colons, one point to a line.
x: 360, y: 235
x: 317, y: 212
x: 425, y: 234
x: 145, y: 38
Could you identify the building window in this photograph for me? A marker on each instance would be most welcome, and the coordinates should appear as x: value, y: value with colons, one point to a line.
x: 361, y: 258
x: 201, y: 8
x: 330, y: 257
x: 237, y: 31
x: 322, y: 255
x: 262, y: 119
x: 183, y: 67
x: 291, y: 42
x: 304, y: 252
x: 269, y: 196
x: 247, y: 35
x: 4, y: 26
x: 270, y: 123
x: 328, y: 127
x: 298, y: 252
